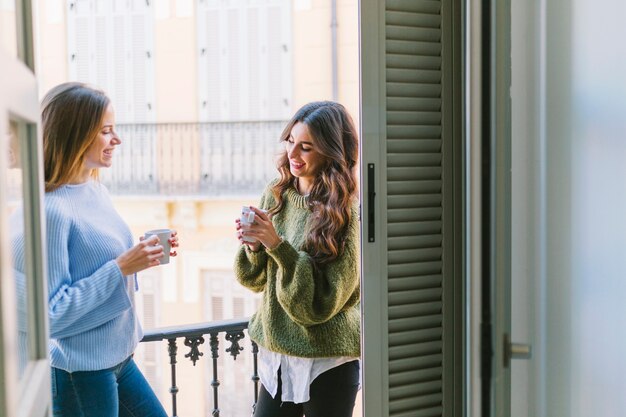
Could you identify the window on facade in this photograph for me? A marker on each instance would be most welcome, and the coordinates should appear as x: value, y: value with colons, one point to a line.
x: 244, y: 62
x: 110, y: 44
x: 217, y: 308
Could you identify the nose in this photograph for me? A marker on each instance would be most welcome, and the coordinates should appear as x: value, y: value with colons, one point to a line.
x: 116, y: 139
x: 292, y: 152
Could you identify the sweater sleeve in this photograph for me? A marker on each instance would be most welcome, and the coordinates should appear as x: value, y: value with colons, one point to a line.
x: 250, y: 268
x: 309, y: 298
x: 79, y: 304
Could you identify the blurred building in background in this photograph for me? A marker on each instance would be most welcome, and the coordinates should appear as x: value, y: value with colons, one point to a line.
x: 202, y: 90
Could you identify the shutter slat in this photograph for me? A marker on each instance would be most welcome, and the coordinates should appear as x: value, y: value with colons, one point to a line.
x: 407, y: 270
x: 419, y: 296
x: 428, y: 412
x: 413, y: 349
x: 426, y: 374
x: 414, y: 146
x: 413, y: 228
x: 414, y: 309
x: 414, y: 104
x: 411, y: 173
x: 402, y: 215
x: 416, y: 363
x: 413, y: 242
x: 413, y: 62
x: 400, y: 75
x: 414, y: 283
x: 413, y: 200
x: 410, y: 256
x: 413, y: 323
x: 412, y: 89
x: 414, y: 336
x: 409, y: 159
x: 404, y: 33
x: 408, y: 391
x: 414, y: 117
x: 413, y: 20
x: 413, y: 48
x: 410, y: 187
x: 414, y: 6
x: 416, y: 403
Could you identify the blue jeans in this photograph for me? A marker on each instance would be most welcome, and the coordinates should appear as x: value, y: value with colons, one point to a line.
x: 121, y: 391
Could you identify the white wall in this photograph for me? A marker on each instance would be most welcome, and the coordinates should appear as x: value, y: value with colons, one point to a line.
x: 569, y: 231
x: 598, y: 206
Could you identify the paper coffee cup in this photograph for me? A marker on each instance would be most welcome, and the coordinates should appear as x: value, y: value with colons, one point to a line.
x: 164, y: 236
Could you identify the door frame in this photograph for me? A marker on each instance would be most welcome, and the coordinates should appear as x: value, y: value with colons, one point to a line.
x: 488, y: 244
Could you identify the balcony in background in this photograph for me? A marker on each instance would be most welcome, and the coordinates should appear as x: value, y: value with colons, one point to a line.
x: 196, y: 160
x: 233, y: 343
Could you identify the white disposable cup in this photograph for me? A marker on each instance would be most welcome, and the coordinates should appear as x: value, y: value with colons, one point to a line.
x: 246, y: 219
x: 164, y: 240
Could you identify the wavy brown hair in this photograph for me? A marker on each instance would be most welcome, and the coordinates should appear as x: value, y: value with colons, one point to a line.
x: 71, y: 115
x: 333, y: 193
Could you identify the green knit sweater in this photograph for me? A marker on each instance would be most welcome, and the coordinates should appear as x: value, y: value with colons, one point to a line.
x: 302, y: 314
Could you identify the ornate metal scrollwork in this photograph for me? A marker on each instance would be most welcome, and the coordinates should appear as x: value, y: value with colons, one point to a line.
x: 234, y: 338
x: 194, y: 342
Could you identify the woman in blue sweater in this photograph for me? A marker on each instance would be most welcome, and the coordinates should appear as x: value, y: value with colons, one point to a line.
x: 92, y: 264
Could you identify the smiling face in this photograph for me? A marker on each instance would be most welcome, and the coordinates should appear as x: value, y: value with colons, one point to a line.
x: 304, y: 159
x: 100, y: 152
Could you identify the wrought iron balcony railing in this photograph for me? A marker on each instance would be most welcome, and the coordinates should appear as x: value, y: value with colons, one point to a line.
x: 213, y: 159
x: 193, y: 338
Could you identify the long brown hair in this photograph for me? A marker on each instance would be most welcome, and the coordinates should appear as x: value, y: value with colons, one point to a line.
x: 71, y: 115
x: 333, y: 193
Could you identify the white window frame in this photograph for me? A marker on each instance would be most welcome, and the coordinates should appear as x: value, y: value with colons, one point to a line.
x: 30, y: 395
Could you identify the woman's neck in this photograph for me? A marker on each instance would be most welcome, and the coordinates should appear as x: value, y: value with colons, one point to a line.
x: 303, y: 187
x: 81, y: 178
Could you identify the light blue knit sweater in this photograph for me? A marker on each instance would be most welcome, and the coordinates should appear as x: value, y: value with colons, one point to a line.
x: 93, y: 324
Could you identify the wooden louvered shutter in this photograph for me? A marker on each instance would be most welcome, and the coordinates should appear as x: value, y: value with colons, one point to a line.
x: 413, y: 139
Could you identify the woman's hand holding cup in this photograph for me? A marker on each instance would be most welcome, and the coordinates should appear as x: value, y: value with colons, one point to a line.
x: 167, y: 238
x: 155, y: 248
x: 143, y: 255
x: 255, y: 227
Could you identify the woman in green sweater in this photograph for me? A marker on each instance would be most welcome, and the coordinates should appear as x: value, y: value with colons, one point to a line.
x: 304, y: 259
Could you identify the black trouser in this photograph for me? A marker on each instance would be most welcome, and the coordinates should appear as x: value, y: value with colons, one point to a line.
x: 332, y: 394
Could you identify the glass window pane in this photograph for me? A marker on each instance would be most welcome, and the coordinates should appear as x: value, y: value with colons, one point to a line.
x: 14, y: 211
